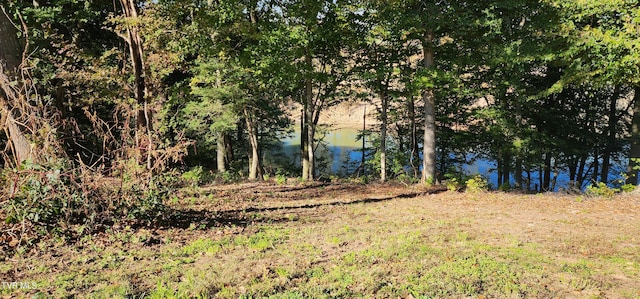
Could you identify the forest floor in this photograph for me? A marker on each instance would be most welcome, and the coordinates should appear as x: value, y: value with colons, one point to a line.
x: 254, y: 240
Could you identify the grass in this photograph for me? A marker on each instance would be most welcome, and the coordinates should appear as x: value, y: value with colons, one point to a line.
x: 428, y: 246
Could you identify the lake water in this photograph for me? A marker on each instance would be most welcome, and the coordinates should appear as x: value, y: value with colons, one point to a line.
x: 341, y: 154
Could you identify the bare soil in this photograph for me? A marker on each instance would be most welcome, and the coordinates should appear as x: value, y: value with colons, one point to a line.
x: 559, y: 245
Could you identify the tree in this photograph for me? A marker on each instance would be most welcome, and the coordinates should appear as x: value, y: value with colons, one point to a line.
x: 605, y: 50
x: 445, y: 31
x: 215, y: 115
x: 320, y: 35
x: 11, y: 56
x: 133, y: 39
x: 381, y: 71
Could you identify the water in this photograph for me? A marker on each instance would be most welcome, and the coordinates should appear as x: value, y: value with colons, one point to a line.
x: 341, y: 153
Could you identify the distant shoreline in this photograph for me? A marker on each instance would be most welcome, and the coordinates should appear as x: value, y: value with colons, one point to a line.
x: 346, y: 115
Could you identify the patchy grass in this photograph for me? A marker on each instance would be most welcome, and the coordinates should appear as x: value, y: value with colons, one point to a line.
x: 345, y: 241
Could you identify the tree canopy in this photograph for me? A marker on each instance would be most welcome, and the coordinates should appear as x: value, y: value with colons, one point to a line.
x: 539, y: 87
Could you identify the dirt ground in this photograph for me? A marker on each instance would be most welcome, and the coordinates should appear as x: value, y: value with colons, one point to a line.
x: 578, y: 246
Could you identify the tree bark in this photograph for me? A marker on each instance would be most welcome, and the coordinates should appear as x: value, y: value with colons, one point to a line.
x: 415, y: 149
x: 506, y: 169
x: 546, y: 182
x: 611, y: 136
x: 306, y: 146
x: 11, y: 49
x: 580, y: 176
x: 136, y: 53
x: 228, y: 149
x: 311, y: 151
x: 220, y: 153
x: 429, y: 98
x: 499, y: 169
x: 517, y: 172
x: 304, y: 137
x: 634, y: 152
x: 383, y: 138
x: 254, y: 158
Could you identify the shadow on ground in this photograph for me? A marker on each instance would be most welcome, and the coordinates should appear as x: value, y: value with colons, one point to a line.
x: 243, y: 217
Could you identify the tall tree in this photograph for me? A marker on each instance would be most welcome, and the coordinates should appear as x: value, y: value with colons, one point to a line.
x: 605, y: 50
x: 321, y: 35
x: 11, y: 56
x: 133, y: 39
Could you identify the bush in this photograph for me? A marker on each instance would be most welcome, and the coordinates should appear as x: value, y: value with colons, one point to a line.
x: 228, y: 177
x: 41, y: 194
x: 453, y: 184
x: 601, y: 189
x: 281, y: 179
x: 628, y: 188
x: 55, y: 196
x: 477, y: 183
x: 194, y: 177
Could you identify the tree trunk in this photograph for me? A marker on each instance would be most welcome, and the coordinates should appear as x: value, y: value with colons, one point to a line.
x: 499, y: 169
x: 573, y: 171
x: 228, y: 149
x: 306, y: 148
x: 364, y: 141
x: 134, y: 41
x: 611, y: 136
x: 429, y: 98
x: 254, y: 158
x: 11, y: 49
x: 311, y: 152
x: 518, y: 173
x: 634, y: 153
x: 304, y: 137
x: 220, y: 152
x: 383, y: 138
x: 580, y: 176
x: 546, y: 181
x: 596, y: 166
x: 506, y: 169
x: 415, y: 149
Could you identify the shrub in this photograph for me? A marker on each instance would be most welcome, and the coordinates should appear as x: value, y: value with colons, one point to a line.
x: 194, y: 177
x: 54, y: 196
x: 628, y: 188
x: 601, y: 189
x: 228, y: 177
x: 477, y: 183
x: 453, y: 184
x: 41, y: 194
x: 455, y: 179
x: 281, y: 179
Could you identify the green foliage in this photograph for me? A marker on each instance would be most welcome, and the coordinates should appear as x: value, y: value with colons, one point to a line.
x: 601, y: 189
x: 453, y: 184
x: 39, y: 194
x: 228, y: 177
x: 477, y: 183
x: 54, y: 196
x: 455, y: 180
x: 281, y: 179
x: 195, y: 176
x: 430, y: 181
x: 628, y: 188
x: 397, y: 159
x: 505, y: 187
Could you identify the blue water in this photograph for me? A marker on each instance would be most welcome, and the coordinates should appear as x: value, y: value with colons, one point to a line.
x: 341, y: 153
